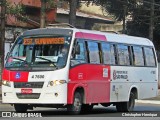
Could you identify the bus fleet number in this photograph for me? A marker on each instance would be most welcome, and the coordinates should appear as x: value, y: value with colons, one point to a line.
x: 37, y: 76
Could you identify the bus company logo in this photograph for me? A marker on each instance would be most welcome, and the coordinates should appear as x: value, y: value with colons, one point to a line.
x: 114, y: 75
x: 28, y: 85
x: 6, y: 114
x: 80, y: 75
x: 120, y: 75
x: 18, y: 75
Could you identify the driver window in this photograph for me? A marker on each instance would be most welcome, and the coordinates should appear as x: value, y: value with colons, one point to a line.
x: 78, y: 58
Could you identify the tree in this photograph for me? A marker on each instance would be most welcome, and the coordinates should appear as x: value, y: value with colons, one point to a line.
x: 6, y: 8
x: 73, y: 4
x: 145, y: 23
x: 118, y: 8
x: 72, y: 13
x: 45, y: 4
x: 2, y: 31
x: 43, y: 13
x: 144, y: 13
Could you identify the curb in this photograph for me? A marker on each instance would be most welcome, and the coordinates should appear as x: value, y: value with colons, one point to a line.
x: 0, y: 92
x: 148, y: 101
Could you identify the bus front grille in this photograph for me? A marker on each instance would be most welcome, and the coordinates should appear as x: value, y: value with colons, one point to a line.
x: 28, y: 84
x: 28, y: 96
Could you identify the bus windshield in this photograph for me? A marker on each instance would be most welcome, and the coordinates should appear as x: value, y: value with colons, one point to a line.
x: 40, y: 53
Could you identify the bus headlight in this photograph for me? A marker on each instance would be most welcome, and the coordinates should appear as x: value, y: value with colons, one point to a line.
x: 6, y: 83
x: 56, y: 82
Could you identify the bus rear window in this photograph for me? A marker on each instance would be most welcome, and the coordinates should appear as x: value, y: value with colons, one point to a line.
x: 149, y: 55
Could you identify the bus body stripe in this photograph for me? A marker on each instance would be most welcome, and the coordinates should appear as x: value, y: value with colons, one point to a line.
x: 90, y: 36
x: 15, y: 76
x: 94, y: 79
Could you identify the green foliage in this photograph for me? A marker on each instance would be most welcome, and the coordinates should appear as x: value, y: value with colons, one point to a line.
x: 15, y: 9
x: 78, y: 2
x: 140, y: 13
x: 139, y: 26
x: 2, y: 2
x: 116, y: 7
x: 50, y: 4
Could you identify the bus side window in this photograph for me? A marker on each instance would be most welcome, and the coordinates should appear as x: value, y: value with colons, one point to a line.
x: 130, y: 55
x: 149, y: 56
x: 93, y: 52
x: 138, y: 56
x: 123, y: 54
x: 113, y: 54
x: 78, y: 58
x: 106, y: 53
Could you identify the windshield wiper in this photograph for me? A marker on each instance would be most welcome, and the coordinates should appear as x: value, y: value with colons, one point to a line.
x: 24, y: 61
x: 47, y: 60
x: 18, y: 59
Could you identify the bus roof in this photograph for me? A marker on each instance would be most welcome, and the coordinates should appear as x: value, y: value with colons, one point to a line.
x: 118, y: 38
x: 91, y: 34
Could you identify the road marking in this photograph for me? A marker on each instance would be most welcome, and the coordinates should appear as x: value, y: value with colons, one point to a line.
x: 148, y: 101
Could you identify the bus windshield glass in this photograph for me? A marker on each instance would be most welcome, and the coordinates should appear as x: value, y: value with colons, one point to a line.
x: 39, y: 53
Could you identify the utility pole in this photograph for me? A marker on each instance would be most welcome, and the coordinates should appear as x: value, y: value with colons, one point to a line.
x: 151, y: 25
x: 2, y: 32
x: 43, y: 14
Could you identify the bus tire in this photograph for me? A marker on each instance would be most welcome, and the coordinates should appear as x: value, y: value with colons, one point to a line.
x: 20, y: 107
x: 126, y: 106
x: 75, y: 108
x: 86, y: 108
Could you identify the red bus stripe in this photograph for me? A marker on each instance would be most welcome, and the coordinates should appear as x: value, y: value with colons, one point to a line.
x: 90, y: 36
x: 11, y: 76
x: 91, y: 78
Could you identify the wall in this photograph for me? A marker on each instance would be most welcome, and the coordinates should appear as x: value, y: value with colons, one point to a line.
x: 108, y: 27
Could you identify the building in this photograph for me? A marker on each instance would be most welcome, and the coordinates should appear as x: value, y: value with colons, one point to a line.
x: 85, y: 19
x: 30, y: 19
x: 89, y: 16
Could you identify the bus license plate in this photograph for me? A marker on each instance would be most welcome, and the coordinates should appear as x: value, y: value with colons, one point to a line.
x: 26, y: 91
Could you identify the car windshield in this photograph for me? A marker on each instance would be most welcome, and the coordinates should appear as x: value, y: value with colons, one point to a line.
x: 39, y: 52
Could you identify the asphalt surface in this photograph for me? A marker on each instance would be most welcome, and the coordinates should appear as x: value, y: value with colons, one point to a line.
x: 97, y: 112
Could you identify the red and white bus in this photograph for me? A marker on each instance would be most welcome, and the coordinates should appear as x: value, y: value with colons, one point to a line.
x: 77, y: 69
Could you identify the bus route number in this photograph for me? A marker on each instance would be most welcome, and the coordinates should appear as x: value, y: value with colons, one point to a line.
x: 37, y: 76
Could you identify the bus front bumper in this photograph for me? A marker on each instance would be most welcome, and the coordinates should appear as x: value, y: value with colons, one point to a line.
x: 48, y: 95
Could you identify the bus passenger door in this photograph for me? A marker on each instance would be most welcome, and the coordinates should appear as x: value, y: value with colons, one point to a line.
x: 78, y: 67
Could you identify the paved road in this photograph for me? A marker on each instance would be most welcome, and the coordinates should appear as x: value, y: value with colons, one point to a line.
x: 98, y: 111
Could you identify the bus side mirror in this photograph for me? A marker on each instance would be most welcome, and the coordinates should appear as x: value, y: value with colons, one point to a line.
x: 77, y: 49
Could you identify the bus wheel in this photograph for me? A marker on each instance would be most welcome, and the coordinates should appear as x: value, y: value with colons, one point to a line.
x: 75, y: 108
x: 86, y: 108
x: 126, y: 106
x: 20, y: 107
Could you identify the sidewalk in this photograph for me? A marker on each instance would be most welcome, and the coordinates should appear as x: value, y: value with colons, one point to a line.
x: 154, y: 100
x: 0, y: 93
